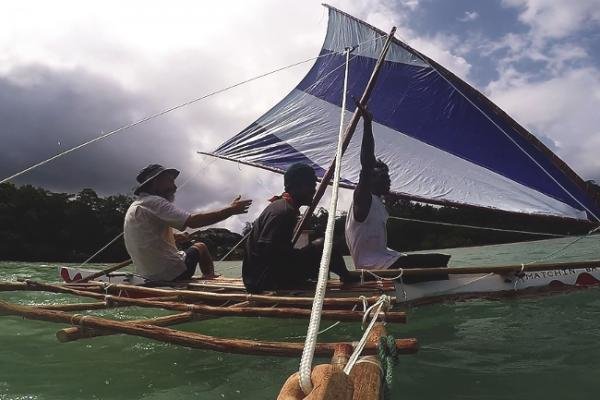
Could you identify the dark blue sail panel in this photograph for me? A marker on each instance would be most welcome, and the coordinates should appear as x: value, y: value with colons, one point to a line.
x: 420, y: 103
x: 442, y: 140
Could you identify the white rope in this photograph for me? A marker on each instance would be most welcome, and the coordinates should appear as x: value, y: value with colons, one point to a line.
x: 476, y: 227
x: 321, y: 331
x: 315, y: 316
x: 381, y: 278
x: 384, y: 301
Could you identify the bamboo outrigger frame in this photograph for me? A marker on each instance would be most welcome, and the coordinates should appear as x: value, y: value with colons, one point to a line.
x: 363, y: 382
x: 191, y: 308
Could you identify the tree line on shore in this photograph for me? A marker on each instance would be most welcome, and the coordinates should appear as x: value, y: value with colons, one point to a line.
x: 40, y: 225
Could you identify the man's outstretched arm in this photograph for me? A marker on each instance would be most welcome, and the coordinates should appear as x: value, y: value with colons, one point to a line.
x: 237, y: 206
x: 362, y: 193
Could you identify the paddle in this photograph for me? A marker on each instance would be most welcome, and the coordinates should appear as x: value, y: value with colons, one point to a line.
x: 104, y: 271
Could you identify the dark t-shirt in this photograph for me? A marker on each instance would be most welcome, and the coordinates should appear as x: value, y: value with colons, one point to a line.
x: 271, y: 262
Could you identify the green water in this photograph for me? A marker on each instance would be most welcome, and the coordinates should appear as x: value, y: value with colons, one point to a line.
x: 545, y: 348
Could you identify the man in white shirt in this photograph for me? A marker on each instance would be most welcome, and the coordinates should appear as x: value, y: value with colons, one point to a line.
x: 149, y: 224
x: 366, y: 233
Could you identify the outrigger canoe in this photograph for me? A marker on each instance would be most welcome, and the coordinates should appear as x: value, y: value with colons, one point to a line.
x: 455, y: 283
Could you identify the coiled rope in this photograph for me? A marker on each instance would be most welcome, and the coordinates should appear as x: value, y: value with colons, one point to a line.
x: 388, y: 356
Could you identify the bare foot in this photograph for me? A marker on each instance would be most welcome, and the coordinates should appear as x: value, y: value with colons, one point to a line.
x: 210, y: 276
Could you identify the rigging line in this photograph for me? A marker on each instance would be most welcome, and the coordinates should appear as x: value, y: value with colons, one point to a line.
x: 101, y: 250
x: 566, y: 246
x: 510, y: 138
x: 477, y: 227
x: 163, y: 112
x: 153, y: 116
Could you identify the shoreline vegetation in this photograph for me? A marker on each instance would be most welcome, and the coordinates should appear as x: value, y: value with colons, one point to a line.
x: 39, y: 225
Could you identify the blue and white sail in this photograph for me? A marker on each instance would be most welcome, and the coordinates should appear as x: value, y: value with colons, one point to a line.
x: 444, y: 141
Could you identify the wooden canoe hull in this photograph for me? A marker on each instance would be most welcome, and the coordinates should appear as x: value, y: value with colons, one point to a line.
x: 456, y: 287
x: 491, y: 285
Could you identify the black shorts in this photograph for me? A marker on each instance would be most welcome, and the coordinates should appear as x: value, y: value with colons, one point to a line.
x: 192, y: 256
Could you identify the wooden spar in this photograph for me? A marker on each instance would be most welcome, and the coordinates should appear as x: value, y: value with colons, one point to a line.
x: 76, y: 333
x: 104, y: 271
x: 367, y: 375
x: 286, y: 312
x: 188, y: 339
x: 237, y: 297
x: 347, y: 137
x: 97, y: 305
x: 502, y: 269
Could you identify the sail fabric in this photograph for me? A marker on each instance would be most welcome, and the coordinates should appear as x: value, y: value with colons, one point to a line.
x: 442, y: 140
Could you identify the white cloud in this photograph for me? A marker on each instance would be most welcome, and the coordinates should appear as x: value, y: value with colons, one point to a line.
x: 562, y: 109
x: 170, y: 54
x: 556, y: 19
x: 439, y: 48
x: 469, y: 16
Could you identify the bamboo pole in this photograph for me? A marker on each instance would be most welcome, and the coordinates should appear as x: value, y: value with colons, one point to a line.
x: 502, y: 269
x: 101, y: 305
x: 76, y: 332
x: 238, y: 297
x: 280, y: 312
x: 347, y: 137
x: 188, y: 339
x: 105, y: 271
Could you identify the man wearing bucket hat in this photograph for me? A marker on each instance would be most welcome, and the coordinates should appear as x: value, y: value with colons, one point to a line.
x: 149, y: 224
x: 271, y: 262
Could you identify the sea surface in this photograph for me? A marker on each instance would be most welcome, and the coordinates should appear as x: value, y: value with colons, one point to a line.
x: 543, y: 348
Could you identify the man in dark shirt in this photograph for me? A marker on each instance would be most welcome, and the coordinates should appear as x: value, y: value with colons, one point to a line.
x: 271, y: 262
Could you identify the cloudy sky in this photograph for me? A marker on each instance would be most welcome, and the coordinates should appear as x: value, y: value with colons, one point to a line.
x: 70, y: 71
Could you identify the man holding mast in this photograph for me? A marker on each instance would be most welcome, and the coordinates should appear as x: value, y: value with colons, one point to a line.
x: 149, y: 224
x: 366, y: 233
